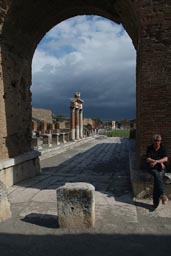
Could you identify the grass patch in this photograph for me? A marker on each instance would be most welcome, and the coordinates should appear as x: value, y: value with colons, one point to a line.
x: 117, y: 133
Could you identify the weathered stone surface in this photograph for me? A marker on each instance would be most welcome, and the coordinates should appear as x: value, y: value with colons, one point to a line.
x: 76, y: 205
x: 5, y: 212
x: 42, y: 114
x: 149, y: 27
x: 147, y: 23
x: 19, y: 168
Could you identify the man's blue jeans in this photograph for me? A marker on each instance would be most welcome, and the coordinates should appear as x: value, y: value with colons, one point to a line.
x: 158, y: 187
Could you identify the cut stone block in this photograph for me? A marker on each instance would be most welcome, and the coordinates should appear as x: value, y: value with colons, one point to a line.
x: 5, y: 212
x: 76, y: 205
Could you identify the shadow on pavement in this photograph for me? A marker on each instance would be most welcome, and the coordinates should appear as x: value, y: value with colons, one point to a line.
x: 84, y: 245
x: 143, y: 205
x: 44, y: 220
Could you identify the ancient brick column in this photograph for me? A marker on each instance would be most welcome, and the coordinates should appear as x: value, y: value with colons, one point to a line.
x: 77, y: 124
x: 72, y: 123
x: 154, y: 76
x: 77, y: 120
x: 43, y: 127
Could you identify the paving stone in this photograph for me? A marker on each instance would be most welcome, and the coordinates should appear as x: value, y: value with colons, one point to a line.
x: 104, y: 163
x: 45, y: 195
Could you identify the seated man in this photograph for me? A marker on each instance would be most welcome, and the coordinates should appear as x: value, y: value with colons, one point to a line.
x: 157, y: 160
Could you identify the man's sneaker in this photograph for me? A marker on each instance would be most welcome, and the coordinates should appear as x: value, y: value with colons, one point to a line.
x: 164, y: 199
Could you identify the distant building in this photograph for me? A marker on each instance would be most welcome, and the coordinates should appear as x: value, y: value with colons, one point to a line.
x: 42, y: 120
x: 126, y: 124
x: 42, y: 115
x: 62, y: 123
x: 108, y: 124
x: 89, y: 121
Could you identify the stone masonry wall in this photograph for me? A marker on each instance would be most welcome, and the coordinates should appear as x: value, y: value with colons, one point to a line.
x: 153, y: 73
x: 42, y: 114
x: 149, y: 26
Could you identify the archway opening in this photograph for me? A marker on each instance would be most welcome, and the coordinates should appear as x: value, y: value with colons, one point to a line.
x: 90, y: 54
x: 20, y: 39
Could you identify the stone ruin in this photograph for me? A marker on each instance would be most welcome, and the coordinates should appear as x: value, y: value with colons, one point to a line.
x: 5, y: 212
x: 76, y: 205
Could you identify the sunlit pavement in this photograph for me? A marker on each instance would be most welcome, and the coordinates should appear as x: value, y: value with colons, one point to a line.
x: 124, y: 226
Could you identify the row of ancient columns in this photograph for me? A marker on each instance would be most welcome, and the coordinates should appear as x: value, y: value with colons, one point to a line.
x: 76, y: 117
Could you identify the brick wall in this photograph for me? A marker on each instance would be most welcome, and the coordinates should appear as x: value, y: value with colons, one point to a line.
x: 149, y: 26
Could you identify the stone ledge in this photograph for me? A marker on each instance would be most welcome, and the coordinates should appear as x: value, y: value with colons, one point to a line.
x: 49, y: 152
x: 19, y: 168
x: 19, y: 159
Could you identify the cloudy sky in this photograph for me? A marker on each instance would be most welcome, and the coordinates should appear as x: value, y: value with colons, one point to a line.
x: 90, y: 55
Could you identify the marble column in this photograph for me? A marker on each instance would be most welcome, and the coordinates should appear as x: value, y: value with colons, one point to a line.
x: 81, y: 123
x: 77, y: 124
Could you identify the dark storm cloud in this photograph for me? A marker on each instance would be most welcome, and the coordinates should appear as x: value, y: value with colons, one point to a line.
x: 98, y: 60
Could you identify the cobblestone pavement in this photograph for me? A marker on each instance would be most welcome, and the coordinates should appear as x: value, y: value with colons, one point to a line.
x: 124, y: 226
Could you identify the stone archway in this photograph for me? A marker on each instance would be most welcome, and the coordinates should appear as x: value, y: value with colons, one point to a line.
x: 24, y: 23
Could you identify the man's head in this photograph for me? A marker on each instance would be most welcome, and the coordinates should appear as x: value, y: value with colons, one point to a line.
x: 157, y: 139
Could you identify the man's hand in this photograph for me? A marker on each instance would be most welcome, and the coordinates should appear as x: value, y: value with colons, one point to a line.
x: 163, y: 167
x: 153, y: 163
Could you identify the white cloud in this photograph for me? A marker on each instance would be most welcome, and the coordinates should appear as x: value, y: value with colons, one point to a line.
x: 88, y: 54
x: 42, y: 59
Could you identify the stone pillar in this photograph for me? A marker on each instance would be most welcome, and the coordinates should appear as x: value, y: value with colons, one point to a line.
x: 72, y: 123
x: 76, y: 205
x: 34, y: 126
x: 77, y: 124
x: 5, y: 212
x: 63, y: 137
x: 53, y: 127
x: 55, y: 138
x: 81, y: 123
x: 58, y: 142
x: 18, y: 160
x: 47, y: 139
x: 153, y: 76
x: 67, y: 136
x: 43, y: 127
x: 50, y: 128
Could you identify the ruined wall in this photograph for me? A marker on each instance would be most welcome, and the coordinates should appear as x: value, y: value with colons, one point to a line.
x: 26, y: 22
x: 90, y: 121
x: 42, y: 114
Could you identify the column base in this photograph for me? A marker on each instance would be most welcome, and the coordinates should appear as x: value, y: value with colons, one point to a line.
x: 19, y: 168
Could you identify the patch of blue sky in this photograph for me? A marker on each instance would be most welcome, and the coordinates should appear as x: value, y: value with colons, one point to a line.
x: 63, y: 50
x: 109, y: 24
x: 60, y: 41
x: 54, y: 48
x: 43, y: 43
